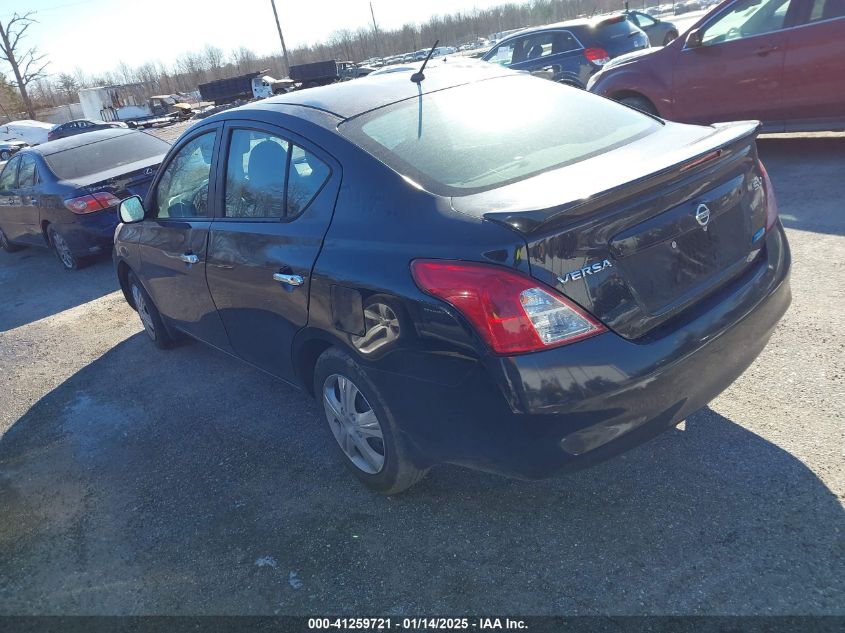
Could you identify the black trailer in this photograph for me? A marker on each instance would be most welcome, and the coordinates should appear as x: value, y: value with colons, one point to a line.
x: 248, y: 86
x: 315, y: 73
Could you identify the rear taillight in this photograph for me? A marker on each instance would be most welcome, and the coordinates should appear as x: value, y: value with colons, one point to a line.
x: 771, y: 200
x: 598, y: 56
x: 92, y: 203
x: 512, y: 313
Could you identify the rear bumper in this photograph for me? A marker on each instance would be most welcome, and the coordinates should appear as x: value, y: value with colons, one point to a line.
x: 567, y: 408
x: 91, y: 234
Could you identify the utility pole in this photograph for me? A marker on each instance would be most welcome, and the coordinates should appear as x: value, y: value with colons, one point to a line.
x: 281, y: 37
x: 375, y: 30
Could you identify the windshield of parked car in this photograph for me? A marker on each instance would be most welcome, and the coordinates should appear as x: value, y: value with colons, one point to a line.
x: 490, y: 133
x: 102, y: 155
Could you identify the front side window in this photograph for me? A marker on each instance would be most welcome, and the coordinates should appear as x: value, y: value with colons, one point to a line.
x: 269, y: 177
x: 183, y: 189
x: 7, y: 178
x: 746, y: 18
x: 28, y: 173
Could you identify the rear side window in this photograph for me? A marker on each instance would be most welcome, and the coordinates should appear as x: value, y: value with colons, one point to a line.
x: 93, y: 157
x: 306, y: 176
x: 28, y: 172
x: 491, y: 133
x: 269, y: 177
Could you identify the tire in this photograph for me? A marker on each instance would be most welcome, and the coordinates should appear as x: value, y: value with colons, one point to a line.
x: 6, y: 245
x: 5, y: 154
x: 148, y: 313
x: 670, y: 37
x: 67, y: 259
x: 639, y: 103
x: 367, y: 440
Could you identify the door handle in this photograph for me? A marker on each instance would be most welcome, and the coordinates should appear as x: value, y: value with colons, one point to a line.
x: 765, y: 50
x: 290, y: 280
x: 189, y: 258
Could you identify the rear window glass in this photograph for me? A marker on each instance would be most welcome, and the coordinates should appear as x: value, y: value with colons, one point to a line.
x: 92, y: 158
x: 611, y: 32
x: 491, y: 133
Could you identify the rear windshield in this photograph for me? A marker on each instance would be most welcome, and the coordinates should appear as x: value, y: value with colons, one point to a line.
x: 615, y: 31
x: 92, y: 158
x: 491, y: 133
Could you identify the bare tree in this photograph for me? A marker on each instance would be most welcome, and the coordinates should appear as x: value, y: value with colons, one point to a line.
x: 68, y: 86
x: 213, y: 57
x: 27, y: 65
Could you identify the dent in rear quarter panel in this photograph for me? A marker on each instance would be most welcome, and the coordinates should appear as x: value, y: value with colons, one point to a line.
x: 381, y: 223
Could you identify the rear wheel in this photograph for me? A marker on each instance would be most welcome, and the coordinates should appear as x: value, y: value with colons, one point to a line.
x: 60, y: 246
x: 6, y: 245
x: 362, y: 426
x: 670, y: 37
x: 149, y: 314
x: 639, y: 103
x: 5, y: 154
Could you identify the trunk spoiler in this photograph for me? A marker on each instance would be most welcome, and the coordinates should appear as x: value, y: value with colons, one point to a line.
x: 563, y: 195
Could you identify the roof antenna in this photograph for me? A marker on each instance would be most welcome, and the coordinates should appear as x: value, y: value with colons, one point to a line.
x: 418, y: 76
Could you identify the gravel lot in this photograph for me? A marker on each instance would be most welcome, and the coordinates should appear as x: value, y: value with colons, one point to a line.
x: 135, y: 481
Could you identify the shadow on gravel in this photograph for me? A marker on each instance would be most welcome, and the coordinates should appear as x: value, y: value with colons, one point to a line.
x: 806, y: 174
x: 185, y: 482
x: 33, y: 285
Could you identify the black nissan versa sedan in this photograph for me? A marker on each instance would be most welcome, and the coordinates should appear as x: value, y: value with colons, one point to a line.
x: 64, y: 194
x: 457, y: 281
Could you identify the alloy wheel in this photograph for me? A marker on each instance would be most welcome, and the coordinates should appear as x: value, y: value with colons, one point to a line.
x: 354, y: 424
x: 143, y: 311
x: 63, y: 250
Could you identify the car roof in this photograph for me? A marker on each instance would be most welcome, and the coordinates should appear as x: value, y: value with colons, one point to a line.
x: 348, y: 99
x: 51, y: 147
x: 576, y: 23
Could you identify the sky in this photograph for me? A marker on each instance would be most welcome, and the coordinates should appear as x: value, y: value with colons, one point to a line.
x: 95, y: 35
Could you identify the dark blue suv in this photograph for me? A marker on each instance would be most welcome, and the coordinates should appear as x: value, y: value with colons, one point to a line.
x: 569, y: 52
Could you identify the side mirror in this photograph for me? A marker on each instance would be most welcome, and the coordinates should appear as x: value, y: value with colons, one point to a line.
x: 694, y: 39
x: 131, y: 210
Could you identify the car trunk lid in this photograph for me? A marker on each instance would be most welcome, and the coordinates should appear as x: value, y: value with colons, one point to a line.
x: 124, y: 181
x: 652, y: 228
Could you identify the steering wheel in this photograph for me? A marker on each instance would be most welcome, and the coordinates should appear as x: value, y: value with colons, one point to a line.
x: 733, y: 33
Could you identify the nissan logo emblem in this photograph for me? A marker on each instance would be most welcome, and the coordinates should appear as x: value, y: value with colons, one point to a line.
x: 702, y: 214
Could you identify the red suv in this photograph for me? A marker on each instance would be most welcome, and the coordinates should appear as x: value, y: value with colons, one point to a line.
x: 779, y: 61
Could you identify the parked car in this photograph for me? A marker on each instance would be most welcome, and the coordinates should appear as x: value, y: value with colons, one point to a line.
x: 518, y: 294
x: 64, y: 194
x: 659, y: 33
x: 779, y: 61
x: 9, y: 148
x: 569, y: 52
x: 27, y: 130
x: 80, y: 126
